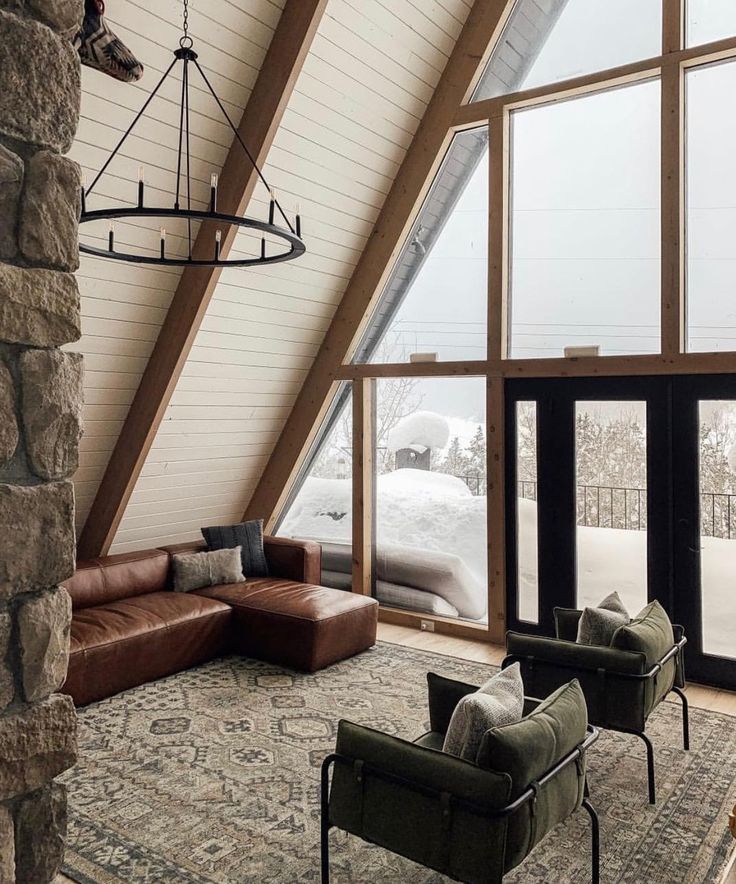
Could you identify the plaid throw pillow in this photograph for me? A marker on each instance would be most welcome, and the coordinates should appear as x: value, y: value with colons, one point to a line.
x: 248, y: 536
x: 99, y: 48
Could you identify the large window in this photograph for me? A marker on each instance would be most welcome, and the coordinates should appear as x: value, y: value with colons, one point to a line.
x: 711, y: 208
x: 556, y: 40
x: 435, y: 299
x: 430, y: 461
x: 321, y: 508
x: 585, y: 225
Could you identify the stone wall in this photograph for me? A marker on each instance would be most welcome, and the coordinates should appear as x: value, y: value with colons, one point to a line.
x: 40, y: 425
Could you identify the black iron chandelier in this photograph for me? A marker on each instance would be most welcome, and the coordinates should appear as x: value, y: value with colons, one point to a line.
x: 289, y: 244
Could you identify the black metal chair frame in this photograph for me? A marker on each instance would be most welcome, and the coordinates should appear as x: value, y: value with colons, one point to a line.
x: 530, y: 794
x: 675, y: 651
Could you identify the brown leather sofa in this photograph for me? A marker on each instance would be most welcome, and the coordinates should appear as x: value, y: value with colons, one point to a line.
x: 129, y: 627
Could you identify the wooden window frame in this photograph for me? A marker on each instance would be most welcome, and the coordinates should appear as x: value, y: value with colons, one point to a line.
x: 669, y: 68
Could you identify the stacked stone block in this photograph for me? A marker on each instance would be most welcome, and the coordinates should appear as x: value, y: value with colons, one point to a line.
x: 40, y: 425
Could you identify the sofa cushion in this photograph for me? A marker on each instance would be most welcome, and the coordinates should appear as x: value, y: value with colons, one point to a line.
x: 100, y: 581
x: 141, y: 615
x: 297, y: 624
x: 129, y: 642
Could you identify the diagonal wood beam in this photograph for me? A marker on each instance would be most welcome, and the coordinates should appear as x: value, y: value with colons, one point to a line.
x: 262, y: 116
x: 482, y: 28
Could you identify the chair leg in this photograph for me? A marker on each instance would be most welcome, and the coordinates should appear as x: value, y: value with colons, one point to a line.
x: 685, y: 717
x: 325, y: 819
x: 325, y: 852
x: 650, y: 768
x: 595, y: 840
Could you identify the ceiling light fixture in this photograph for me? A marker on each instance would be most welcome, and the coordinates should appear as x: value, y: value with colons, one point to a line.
x: 289, y: 244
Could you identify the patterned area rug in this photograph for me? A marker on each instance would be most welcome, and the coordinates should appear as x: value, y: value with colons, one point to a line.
x: 212, y: 775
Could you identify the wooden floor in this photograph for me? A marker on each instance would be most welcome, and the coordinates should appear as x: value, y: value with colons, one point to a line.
x: 702, y: 697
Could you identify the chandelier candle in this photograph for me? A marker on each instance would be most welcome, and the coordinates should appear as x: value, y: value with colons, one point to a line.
x: 141, y: 185
x: 213, y: 192
x: 272, y: 207
x: 111, y: 237
x: 298, y: 221
x: 163, y: 243
x: 218, y: 241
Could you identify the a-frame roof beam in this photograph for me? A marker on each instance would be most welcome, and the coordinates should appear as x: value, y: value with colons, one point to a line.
x: 260, y: 122
x: 482, y: 28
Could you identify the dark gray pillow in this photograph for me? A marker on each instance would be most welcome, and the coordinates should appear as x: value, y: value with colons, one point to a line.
x: 249, y: 537
x: 598, y: 625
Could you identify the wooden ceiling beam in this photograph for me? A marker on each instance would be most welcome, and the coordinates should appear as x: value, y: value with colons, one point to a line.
x: 261, y: 118
x: 484, y: 24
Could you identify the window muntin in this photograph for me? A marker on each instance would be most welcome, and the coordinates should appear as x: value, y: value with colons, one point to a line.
x: 544, y: 43
x: 585, y: 247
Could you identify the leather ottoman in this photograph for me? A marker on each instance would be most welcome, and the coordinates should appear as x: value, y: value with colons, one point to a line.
x: 299, y: 625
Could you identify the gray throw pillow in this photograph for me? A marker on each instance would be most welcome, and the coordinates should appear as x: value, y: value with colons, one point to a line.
x: 598, y: 625
x: 248, y: 536
x: 498, y: 702
x: 197, y: 570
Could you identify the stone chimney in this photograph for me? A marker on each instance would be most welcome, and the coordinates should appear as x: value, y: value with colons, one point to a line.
x: 40, y: 425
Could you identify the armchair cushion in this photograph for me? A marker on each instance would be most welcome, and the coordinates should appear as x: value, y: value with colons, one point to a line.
x: 498, y: 702
x: 529, y: 748
x: 650, y: 634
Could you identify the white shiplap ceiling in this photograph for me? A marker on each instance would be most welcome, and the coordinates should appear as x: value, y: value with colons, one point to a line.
x: 371, y: 71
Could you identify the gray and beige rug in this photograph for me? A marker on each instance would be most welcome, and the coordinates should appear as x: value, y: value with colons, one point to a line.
x: 212, y: 775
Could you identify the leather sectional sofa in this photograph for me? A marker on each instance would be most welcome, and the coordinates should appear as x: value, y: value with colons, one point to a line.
x: 129, y: 627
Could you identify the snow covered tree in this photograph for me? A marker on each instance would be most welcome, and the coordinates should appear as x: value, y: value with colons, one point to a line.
x: 476, y: 454
x: 455, y: 462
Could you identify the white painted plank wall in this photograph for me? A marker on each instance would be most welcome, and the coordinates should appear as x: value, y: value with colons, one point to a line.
x: 365, y: 85
x: 124, y: 305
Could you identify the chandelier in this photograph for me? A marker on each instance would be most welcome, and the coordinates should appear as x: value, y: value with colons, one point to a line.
x: 278, y: 241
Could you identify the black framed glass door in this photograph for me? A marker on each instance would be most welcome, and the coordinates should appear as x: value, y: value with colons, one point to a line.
x: 590, y: 462
x: 705, y: 523
x: 626, y: 484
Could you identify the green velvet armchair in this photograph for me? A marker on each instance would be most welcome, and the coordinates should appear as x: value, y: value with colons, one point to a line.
x: 622, y: 687
x: 471, y: 822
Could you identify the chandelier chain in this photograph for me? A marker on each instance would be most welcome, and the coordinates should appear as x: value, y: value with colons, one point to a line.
x: 186, y: 40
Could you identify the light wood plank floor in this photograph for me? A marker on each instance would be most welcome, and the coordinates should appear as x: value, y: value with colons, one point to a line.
x: 482, y: 652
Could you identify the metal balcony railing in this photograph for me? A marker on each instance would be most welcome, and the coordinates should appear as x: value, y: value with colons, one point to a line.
x: 605, y: 506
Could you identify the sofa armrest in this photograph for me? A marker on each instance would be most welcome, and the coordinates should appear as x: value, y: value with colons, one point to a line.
x: 444, y: 695
x: 572, y: 656
x: 297, y: 560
